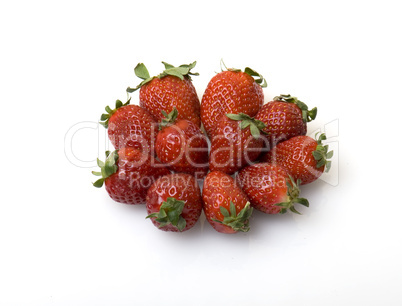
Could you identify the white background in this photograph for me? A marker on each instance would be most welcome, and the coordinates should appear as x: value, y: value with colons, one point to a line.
x: 64, y: 242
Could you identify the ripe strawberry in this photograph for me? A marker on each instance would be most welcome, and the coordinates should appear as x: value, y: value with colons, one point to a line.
x: 174, y: 202
x: 270, y: 188
x: 285, y: 117
x: 130, y: 126
x: 181, y: 145
x: 172, y: 88
x: 127, y: 174
x: 303, y: 157
x: 225, y: 205
x: 237, y: 143
x: 231, y: 91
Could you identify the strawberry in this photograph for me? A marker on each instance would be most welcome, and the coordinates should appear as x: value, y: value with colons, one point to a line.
x: 231, y: 91
x: 172, y: 88
x: 181, y: 145
x: 127, y: 174
x: 226, y: 206
x: 237, y: 143
x: 270, y: 188
x: 303, y: 157
x: 285, y: 117
x: 174, y: 202
x: 130, y: 126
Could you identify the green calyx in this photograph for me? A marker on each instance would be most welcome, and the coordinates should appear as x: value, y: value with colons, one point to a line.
x: 107, y: 168
x: 256, y: 126
x: 238, y: 222
x: 293, y: 197
x: 182, y: 71
x: 170, y: 213
x: 169, y: 118
x: 308, y: 115
x: 109, y: 112
x: 259, y: 79
x: 321, y: 154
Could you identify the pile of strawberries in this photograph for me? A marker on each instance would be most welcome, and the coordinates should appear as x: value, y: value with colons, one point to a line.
x: 247, y: 154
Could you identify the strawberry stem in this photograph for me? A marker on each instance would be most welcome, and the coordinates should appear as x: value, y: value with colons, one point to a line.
x: 308, y: 115
x: 107, y: 168
x: 256, y: 126
x: 170, y: 213
x: 109, y: 112
x: 321, y: 154
x: 238, y: 222
x: 259, y: 79
x: 293, y: 197
x: 169, y: 118
x: 181, y: 72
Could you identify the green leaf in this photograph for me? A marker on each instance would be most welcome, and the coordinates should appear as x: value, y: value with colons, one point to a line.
x: 293, y: 209
x: 259, y: 80
x: 317, y: 155
x: 104, y: 117
x: 236, y: 117
x: 175, y: 73
x: 108, y: 109
x: 100, y: 163
x: 167, y: 66
x: 141, y: 71
x: 302, y: 201
x: 118, y: 104
x: 244, y: 124
x: 328, y: 165
x: 181, y: 224
x: 232, y: 209
x: 224, y: 211
x: 107, y: 168
x: 99, y: 183
x: 255, y: 132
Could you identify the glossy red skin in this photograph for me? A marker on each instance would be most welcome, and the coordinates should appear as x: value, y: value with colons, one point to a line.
x: 169, y: 92
x: 136, y: 172
x: 233, y: 148
x: 183, y: 148
x: 283, y: 120
x: 229, y: 92
x: 132, y: 126
x: 296, y: 156
x: 218, y: 190
x: 182, y: 187
x: 265, y: 186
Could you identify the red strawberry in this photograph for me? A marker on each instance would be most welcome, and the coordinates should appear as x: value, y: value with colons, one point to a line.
x: 303, y: 157
x: 231, y: 91
x: 285, y: 117
x: 237, y: 143
x: 270, y: 188
x: 182, y: 146
x: 130, y: 126
x: 174, y: 202
x: 172, y: 88
x: 225, y: 205
x: 127, y: 174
